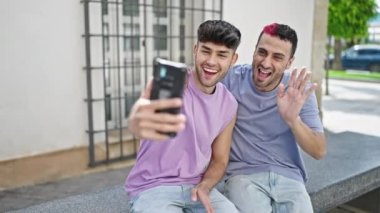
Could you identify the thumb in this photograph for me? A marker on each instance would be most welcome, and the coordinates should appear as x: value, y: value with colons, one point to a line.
x: 148, y: 89
x: 194, y: 196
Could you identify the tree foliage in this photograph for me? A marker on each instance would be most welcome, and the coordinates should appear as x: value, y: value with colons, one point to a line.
x: 348, y: 19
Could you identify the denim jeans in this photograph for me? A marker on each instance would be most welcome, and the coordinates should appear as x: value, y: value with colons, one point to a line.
x: 177, y: 199
x: 267, y: 192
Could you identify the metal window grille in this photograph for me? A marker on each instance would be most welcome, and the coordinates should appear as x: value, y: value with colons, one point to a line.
x: 121, y: 39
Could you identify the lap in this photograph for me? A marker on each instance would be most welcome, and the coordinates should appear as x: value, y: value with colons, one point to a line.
x: 267, y: 192
x: 177, y: 199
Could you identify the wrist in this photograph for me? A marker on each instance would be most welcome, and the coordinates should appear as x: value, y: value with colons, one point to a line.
x: 294, y: 122
x: 204, y: 186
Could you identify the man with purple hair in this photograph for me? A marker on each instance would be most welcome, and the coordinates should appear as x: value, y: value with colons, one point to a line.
x: 277, y: 114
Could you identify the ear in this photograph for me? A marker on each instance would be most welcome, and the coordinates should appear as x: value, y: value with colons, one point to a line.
x: 290, y: 62
x: 234, y: 59
x: 195, y: 48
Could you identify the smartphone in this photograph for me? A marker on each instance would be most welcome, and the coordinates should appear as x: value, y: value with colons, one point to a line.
x: 168, y: 82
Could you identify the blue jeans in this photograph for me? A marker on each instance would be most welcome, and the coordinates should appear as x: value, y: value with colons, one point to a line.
x: 267, y: 192
x: 177, y: 199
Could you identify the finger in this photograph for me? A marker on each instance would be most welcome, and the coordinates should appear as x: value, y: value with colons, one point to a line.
x: 141, y: 102
x: 164, y: 104
x: 148, y: 89
x: 145, y: 133
x: 162, y: 127
x: 305, y: 81
x: 311, y: 89
x: 293, y: 77
x: 281, y: 91
x: 207, y: 204
x: 300, y: 78
x: 211, y: 210
x: 161, y: 117
x: 194, y: 196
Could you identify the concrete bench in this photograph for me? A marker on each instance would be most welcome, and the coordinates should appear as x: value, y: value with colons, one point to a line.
x: 350, y: 169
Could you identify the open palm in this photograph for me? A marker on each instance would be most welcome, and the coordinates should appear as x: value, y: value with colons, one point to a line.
x: 291, y: 100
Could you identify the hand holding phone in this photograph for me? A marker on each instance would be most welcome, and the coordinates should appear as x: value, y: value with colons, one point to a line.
x: 168, y: 82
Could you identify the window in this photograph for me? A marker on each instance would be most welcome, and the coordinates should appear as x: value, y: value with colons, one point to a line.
x: 351, y: 53
x: 132, y: 74
x: 160, y: 37
x: 370, y: 52
x: 129, y: 99
x: 131, y: 37
x: 160, y: 8
x: 364, y: 52
x: 182, y: 37
x: 131, y: 8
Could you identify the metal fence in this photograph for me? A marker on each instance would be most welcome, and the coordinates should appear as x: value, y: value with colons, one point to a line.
x: 121, y: 39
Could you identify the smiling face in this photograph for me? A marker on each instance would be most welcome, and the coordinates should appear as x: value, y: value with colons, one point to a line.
x: 212, y: 62
x: 270, y: 59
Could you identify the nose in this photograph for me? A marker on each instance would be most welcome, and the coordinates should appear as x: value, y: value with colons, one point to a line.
x: 212, y: 60
x: 266, y: 62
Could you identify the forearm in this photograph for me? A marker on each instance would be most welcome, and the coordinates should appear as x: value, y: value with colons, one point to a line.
x: 219, y: 159
x: 213, y: 174
x: 313, y: 143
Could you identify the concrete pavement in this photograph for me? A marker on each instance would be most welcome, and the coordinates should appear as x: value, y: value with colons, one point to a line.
x: 351, y: 106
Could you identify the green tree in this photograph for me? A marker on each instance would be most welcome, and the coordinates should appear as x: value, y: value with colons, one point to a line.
x: 348, y: 20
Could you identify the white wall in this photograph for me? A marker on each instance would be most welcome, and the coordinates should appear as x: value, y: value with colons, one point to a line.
x: 251, y: 16
x: 42, y: 85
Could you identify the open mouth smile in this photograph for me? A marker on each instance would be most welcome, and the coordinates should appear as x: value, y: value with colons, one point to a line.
x: 209, y: 72
x: 263, y: 73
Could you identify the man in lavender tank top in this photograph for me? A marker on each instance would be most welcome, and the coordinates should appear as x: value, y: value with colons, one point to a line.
x: 179, y: 174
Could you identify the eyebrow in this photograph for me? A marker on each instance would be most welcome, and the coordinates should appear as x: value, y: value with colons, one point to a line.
x: 280, y: 54
x: 276, y: 53
x: 219, y: 51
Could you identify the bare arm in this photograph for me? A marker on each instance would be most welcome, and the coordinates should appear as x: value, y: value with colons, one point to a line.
x: 313, y: 143
x: 216, y: 169
x: 290, y: 103
x: 145, y: 122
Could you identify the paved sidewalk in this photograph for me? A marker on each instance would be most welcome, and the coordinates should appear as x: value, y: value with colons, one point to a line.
x: 350, y: 107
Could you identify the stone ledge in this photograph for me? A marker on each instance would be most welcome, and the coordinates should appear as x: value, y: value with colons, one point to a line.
x: 110, y: 200
x: 345, y: 190
x: 351, y: 169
